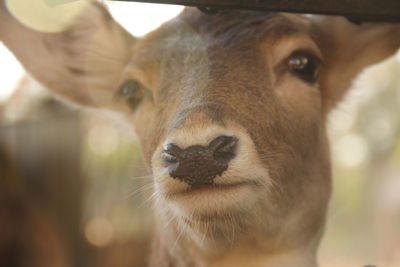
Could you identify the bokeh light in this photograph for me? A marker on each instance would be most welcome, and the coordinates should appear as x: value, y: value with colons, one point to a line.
x: 12, y: 71
x: 350, y: 150
x: 40, y: 16
x: 103, y: 140
x: 99, y: 231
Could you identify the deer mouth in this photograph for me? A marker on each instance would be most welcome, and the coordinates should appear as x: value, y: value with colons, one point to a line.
x: 212, y: 188
x: 213, y: 200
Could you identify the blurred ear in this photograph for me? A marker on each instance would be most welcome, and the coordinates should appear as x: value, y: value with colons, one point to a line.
x: 81, y: 63
x: 347, y: 49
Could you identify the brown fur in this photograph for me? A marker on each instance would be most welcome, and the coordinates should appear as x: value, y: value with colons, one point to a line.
x: 211, y: 74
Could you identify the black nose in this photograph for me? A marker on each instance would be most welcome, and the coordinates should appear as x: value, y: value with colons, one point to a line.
x: 199, y: 165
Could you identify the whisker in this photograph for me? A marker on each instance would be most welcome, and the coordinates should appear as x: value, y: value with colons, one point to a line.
x: 152, y: 196
x: 232, y: 224
x: 205, y: 233
x: 144, y: 177
x: 141, y: 189
x: 169, y: 221
x: 181, y: 230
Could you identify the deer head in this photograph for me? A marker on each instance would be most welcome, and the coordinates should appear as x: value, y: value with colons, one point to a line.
x: 231, y: 113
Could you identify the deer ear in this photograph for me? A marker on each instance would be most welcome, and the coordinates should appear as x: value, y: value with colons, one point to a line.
x: 82, y: 63
x: 347, y: 49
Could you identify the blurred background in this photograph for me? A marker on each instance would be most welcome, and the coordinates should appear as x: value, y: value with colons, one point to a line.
x: 78, y: 194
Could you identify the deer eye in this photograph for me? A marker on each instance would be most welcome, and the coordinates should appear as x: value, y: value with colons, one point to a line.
x: 304, y: 65
x: 132, y: 92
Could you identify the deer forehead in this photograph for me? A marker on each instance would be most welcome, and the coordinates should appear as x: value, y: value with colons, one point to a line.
x: 195, y: 45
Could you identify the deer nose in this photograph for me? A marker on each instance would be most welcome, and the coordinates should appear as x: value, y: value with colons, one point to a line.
x: 199, y: 165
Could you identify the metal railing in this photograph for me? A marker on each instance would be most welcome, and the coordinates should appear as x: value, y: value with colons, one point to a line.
x: 355, y: 10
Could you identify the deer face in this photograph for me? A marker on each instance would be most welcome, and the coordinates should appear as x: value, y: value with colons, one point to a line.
x: 231, y: 119
x: 230, y: 109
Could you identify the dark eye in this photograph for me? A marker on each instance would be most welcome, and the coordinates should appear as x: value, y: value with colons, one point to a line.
x: 304, y: 65
x: 132, y: 92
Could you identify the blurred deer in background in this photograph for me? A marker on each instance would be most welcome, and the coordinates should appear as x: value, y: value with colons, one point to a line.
x: 28, y: 235
x: 231, y: 112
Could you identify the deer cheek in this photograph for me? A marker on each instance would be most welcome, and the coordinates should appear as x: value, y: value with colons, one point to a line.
x: 148, y: 129
x: 301, y: 104
x: 301, y: 98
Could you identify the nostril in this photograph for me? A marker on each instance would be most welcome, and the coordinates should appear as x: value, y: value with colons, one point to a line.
x: 172, y: 153
x: 168, y: 158
x: 224, y: 148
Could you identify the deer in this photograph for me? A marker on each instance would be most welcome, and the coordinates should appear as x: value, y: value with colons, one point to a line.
x: 230, y: 110
x: 22, y: 219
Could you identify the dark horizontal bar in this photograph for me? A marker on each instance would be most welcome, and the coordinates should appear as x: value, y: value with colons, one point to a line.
x: 357, y: 10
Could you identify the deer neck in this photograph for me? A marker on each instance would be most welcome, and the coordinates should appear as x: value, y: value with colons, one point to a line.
x: 253, y: 257
x: 174, y: 246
